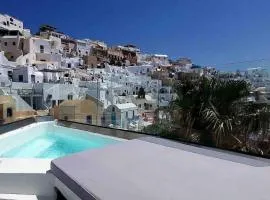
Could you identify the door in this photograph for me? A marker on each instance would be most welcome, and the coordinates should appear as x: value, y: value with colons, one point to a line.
x: 1, y: 112
x: 113, y: 118
x: 33, y: 78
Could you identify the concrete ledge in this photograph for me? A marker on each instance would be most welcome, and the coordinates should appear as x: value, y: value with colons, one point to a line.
x: 15, y: 125
x: 23, y: 122
x: 26, y: 176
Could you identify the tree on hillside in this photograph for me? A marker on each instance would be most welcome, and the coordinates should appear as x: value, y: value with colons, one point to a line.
x: 141, y: 93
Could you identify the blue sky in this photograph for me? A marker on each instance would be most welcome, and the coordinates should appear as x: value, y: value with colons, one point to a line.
x: 210, y: 32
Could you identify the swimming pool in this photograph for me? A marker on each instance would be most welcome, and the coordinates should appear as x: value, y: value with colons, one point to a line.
x: 48, y: 140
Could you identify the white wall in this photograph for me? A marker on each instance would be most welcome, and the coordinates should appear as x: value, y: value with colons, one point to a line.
x: 61, y: 91
x: 4, y: 79
x: 37, y: 42
x: 143, y: 69
x: 27, y: 72
x: 20, y: 71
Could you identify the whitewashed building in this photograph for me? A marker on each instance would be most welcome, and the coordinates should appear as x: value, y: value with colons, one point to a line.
x: 30, y: 50
x: 83, y: 47
x: 160, y: 60
x: 11, y: 24
x: 121, y: 115
x: 74, y: 62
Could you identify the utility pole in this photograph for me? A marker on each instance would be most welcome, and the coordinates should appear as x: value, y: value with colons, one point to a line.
x: 32, y: 95
x: 10, y: 87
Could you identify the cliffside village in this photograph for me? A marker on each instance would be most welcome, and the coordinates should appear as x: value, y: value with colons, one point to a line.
x: 86, y: 80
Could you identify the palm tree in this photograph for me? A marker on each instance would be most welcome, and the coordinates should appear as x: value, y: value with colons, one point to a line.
x: 208, y: 105
x: 185, y: 110
x: 219, y: 112
x: 254, y: 127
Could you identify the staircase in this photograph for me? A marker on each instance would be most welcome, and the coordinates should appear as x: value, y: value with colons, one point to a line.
x: 21, y: 105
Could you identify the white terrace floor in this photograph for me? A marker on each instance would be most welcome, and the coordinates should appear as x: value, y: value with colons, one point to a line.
x: 161, y: 170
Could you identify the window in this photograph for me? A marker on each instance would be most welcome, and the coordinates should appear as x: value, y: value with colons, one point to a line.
x: 5, y: 43
x: 14, y: 43
x: 11, y: 19
x: 33, y: 78
x: 70, y: 97
x: 140, y: 105
x: 11, y: 57
x: 60, y: 101
x: 53, y: 103
x: 126, y: 114
x: 133, y: 114
x: 113, y: 109
x: 41, y: 48
x: 10, y: 74
x: 20, y: 78
x: 89, y: 119
x: 103, y: 120
x: 9, y: 112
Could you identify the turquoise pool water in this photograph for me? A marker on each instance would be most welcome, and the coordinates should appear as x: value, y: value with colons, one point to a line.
x: 53, y: 142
